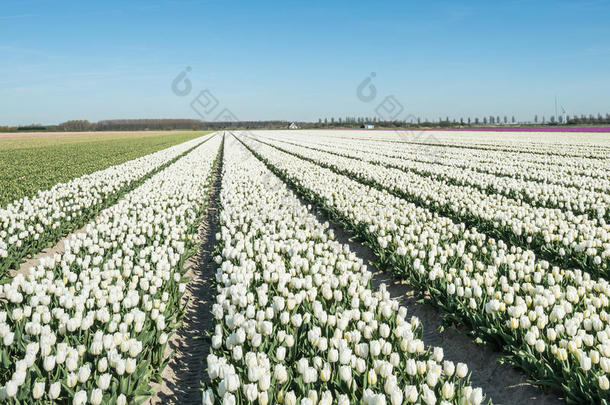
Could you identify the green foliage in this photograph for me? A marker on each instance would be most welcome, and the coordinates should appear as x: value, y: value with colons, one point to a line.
x: 37, y: 163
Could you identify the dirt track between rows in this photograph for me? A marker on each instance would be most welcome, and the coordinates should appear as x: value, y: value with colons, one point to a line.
x: 181, y: 378
x: 502, y: 383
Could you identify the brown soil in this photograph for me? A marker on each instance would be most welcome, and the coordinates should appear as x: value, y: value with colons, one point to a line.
x: 502, y: 383
x: 181, y: 378
x: 50, y: 251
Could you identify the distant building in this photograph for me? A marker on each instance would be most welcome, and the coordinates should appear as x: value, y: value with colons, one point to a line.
x: 293, y: 126
x: 368, y: 126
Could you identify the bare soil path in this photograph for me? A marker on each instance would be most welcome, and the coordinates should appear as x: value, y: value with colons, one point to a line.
x: 182, y: 376
x: 502, y: 383
x: 46, y: 252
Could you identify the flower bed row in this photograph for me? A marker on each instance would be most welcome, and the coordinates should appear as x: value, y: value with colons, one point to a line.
x: 90, y: 325
x: 563, y: 238
x: 296, y: 319
x: 566, y: 171
x: 551, y: 321
x: 578, y: 200
x: 527, y: 143
x: 30, y: 224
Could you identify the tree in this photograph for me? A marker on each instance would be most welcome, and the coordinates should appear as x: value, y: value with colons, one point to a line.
x: 536, y: 119
x: 505, y: 119
x: 513, y: 120
x: 76, y: 125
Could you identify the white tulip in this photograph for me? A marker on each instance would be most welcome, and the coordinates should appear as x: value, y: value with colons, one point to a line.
x: 345, y: 372
x: 476, y: 397
x: 290, y: 398
x: 228, y: 399
x: 38, y: 390
x: 461, y: 370
x: 208, y: 397
x: 54, y: 390
x: 448, y: 390
x: 49, y: 363
x: 83, y: 373
x: 80, y: 398
x: 250, y: 392
x: 130, y: 366
x: 104, y: 381
x: 96, y: 396
x: 604, y: 384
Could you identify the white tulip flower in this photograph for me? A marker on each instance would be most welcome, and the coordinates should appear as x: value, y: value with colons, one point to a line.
x: 38, y: 390
x: 80, y: 398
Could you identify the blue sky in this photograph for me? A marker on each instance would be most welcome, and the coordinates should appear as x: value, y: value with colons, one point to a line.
x: 301, y: 60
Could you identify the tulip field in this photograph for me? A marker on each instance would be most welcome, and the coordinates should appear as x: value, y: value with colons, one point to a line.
x: 30, y: 162
x: 90, y: 325
x: 507, y: 235
x: 296, y: 319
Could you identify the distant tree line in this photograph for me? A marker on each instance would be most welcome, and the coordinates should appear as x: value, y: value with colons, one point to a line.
x: 147, y: 125
x: 588, y: 120
x: 332, y: 122
x: 360, y: 122
x: 245, y: 125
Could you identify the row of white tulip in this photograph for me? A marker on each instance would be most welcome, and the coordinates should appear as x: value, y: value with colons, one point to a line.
x: 567, y: 198
x: 549, y: 169
x: 575, y: 240
x: 90, y: 325
x: 408, y: 141
x: 296, y: 319
x: 32, y: 223
x: 553, y: 322
x: 595, y: 145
